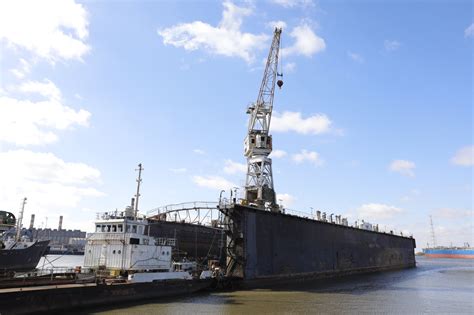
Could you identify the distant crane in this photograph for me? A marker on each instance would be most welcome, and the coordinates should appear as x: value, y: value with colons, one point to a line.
x: 259, y: 189
x: 433, y: 238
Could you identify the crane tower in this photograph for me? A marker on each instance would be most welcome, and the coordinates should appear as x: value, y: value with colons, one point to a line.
x: 258, y: 143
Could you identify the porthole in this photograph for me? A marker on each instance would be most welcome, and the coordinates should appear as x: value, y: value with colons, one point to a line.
x: 119, y: 251
x: 113, y: 252
x: 162, y: 253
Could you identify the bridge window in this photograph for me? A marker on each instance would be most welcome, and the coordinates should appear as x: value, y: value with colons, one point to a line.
x: 114, y: 228
x: 128, y: 228
x: 108, y: 227
x: 103, y: 228
x: 98, y: 228
x: 134, y: 229
x: 120, y: 228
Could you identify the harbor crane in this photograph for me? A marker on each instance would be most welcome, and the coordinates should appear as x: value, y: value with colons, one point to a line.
x: 259, y: 190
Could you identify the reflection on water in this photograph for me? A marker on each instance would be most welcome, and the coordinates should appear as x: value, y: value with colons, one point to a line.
x: 436, y: 286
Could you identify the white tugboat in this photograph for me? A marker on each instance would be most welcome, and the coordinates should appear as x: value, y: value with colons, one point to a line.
x: 122, y: 246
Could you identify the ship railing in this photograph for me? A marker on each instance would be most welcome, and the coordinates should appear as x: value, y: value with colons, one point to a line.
x: 195, y: 212
x: 111, y: 215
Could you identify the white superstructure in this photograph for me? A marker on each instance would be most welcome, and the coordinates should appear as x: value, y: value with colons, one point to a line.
x: 121, y: 242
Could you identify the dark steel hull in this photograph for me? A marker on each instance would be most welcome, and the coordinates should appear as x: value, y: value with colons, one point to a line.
x: 22, y: 259
x: 196, y: 242
x: 71, y: 297
x: 269, y: 247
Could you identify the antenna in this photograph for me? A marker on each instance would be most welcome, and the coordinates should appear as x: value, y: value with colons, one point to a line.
x: 20, y: 219
x: 139, y: 181
x: 433, y: 238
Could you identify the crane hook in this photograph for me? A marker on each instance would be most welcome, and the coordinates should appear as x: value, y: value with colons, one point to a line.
x: 280, y: 83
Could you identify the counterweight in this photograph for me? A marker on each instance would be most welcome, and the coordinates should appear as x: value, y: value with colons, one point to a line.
x: 259, y: 189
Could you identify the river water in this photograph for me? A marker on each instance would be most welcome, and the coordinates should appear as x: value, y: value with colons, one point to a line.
x: 442, y: 286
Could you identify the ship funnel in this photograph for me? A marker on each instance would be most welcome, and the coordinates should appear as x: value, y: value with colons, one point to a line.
x: 60, y: 227
x: 32, y: 221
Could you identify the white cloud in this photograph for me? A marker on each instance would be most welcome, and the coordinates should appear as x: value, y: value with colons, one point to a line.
x: 213, y: 182
x: 289, y: 67
x: 22, y: 70
x: 469, y: 31
x: 310, y: 156
x: 180, y: 170
x: 47, y: 89
x: 391, y: 45
x: 355, y: 57
x: 50, y: 184
x: 464, y: 156
x: 286, y: 200
x: 276, y: 24
x: 403, y: 167
x: 293, y: 121
x: 412, y: 194
x: 451, y: 213
x: 232, y: 167
x: 199, y: 151
x: 278, y: 154
x: 51, y: 29
x: 377, y: 211
x: 293, y: 3
x: 307, y: 43
x: 226, y: 39
x: 25, y: 122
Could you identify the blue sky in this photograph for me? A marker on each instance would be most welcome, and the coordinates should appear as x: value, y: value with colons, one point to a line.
x: 374, y: 120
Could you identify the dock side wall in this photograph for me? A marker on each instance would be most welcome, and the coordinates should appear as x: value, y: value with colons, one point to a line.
x: 277, y: 245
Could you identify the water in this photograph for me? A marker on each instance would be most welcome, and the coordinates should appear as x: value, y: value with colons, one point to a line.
x: 439, y: 286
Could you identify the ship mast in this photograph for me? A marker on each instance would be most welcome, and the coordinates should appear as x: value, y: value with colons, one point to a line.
x: 139, y: 181
x: 258, y: 143
x: 433, y: 238
x: 20, y: 219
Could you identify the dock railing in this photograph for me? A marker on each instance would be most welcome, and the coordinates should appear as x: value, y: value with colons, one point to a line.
x: 195, y: 212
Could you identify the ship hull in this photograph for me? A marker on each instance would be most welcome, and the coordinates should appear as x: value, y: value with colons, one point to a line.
x: 196, y: 242
x: 71, y: 297
x: 449, y: 253
x: 22, y: 259
x: 268, y: 247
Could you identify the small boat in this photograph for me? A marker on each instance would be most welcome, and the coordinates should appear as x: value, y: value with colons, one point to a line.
x: 19, y: 252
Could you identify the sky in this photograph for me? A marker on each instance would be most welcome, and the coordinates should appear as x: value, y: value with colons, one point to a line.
x: 374, y: 120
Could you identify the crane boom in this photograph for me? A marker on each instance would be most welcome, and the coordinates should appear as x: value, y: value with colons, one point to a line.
x: 258, y: 143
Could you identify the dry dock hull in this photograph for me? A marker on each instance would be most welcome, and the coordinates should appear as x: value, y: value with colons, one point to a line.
x: 196, y: 242
x: 72, y: 297
x: 267, y: 247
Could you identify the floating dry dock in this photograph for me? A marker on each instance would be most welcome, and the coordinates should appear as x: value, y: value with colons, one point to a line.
x: 265, y: 247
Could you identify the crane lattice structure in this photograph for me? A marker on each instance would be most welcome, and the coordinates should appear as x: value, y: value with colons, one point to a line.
x: 433, y: 237
x: 259, y: 189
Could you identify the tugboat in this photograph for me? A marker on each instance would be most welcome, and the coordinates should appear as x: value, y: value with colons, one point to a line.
x: 122, y: 248
x: 18, y: 251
